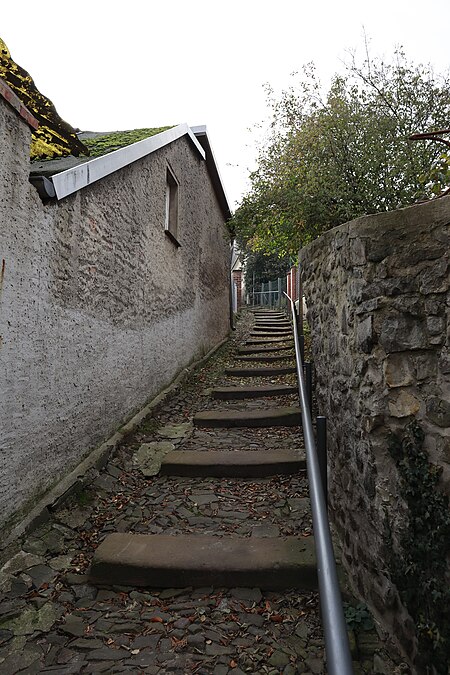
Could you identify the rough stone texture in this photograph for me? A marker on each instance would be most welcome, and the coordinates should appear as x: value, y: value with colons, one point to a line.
x: 378, y: 303
x: 99, y: 310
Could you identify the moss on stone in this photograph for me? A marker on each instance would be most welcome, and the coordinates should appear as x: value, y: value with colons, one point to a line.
x: 103, y: 144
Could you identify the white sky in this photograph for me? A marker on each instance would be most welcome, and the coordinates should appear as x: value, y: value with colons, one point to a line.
x: 140, y: 63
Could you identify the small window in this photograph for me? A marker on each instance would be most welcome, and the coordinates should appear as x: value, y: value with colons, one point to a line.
x: 171, y: 215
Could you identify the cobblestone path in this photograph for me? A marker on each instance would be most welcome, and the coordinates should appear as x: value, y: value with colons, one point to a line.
x: 52, y: 620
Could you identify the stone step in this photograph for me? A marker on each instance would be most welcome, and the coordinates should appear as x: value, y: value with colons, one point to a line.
x: 266, y: 317
x: 269, y: 312
x: 272, y: 322
x: 266, y: 417
x: 164, y: 561
x: 271, y: 329
x: 271, y: 326
x: 264, y: 357
x: 272, y: 319
x: 270, y: 341
x: 264, y: 350
x: 271, y: 334
x: 232, y: 464
x: 260, y: 372
x: 237, y: 393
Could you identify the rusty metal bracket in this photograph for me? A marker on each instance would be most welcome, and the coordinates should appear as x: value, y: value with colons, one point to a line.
x: 433, y: 136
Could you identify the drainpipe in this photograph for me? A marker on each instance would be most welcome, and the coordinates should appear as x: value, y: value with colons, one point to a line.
x: 44, y: 186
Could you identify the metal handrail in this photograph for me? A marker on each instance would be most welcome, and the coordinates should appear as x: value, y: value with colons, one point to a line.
x: 339, y: 661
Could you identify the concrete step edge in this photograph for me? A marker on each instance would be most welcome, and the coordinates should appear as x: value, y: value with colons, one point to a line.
x: 260, y: 372
x: 265, y: 350
x: 162, y: 561
x: 232, y: 463
x: 264, y: 417
x: 268, y: 358
x: 238, y: 393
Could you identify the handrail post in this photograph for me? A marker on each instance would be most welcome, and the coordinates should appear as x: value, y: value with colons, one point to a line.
x: 321, y: 435
x: 301, y: 340
x: 309, y: 384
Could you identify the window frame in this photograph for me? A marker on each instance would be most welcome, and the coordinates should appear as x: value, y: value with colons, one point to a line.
x: 171, y: 210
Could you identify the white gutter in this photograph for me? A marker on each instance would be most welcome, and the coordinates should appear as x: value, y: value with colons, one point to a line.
x: 71, y: 180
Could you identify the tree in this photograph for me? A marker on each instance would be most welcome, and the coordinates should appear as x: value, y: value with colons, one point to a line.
x: 329, y: 160
x: 261, y: 268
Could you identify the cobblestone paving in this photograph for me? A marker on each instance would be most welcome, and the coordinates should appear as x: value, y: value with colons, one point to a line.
x: 53, y: 621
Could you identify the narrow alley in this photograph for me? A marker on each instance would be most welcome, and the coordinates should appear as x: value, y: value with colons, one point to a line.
x: 188, y: 470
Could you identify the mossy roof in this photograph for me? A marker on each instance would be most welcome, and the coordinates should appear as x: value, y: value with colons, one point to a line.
x: 102, y: 143
x: 99, y: 143
x: 54, y: 137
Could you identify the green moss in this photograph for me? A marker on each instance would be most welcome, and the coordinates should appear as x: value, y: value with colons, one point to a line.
x: 106, y: 143
x: 84, y: 498
x: 419, y: 567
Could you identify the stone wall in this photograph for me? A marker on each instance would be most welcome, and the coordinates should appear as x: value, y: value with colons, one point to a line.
x: 99, y: 309
x: 377, y: 295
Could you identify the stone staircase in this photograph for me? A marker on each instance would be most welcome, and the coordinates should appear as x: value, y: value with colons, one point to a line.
x: 249, y: 398
x: 200, y: 563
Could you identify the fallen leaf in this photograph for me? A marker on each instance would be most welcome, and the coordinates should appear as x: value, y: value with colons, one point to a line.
x: 277, y: 618
x: 156, y: 619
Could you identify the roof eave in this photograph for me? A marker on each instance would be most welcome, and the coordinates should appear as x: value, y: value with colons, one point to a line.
x: 71, y: 180
x: 201, y: 134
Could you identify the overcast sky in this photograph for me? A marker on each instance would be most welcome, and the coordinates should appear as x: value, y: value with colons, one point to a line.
x: 109, y: 65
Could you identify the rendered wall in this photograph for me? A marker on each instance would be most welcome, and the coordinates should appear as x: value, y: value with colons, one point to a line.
x: 99, y: 309
x: 378, y: 302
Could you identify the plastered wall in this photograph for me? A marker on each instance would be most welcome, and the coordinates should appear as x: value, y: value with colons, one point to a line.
x: 99, y: 309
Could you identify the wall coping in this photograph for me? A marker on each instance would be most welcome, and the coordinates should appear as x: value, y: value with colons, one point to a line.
x: 436, y: 210
x: 14, y: 101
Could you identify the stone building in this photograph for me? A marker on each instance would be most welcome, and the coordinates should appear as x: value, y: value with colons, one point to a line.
x: 114, y: 277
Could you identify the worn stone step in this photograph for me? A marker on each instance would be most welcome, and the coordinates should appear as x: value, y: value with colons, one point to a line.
x: 271, y: 319
x: 270, y: 341
x: 263, y: 350
x: 164, y: 561
x: 265, y: 390
x: 271, y: 334
x: 232, y: 464
x: 269, y: 312
x: 272, y: 322
x: 264, y: 357
x: 265, y: 328
x: 260, y: 372
x: 271, y: 329
x: 266, y: 417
